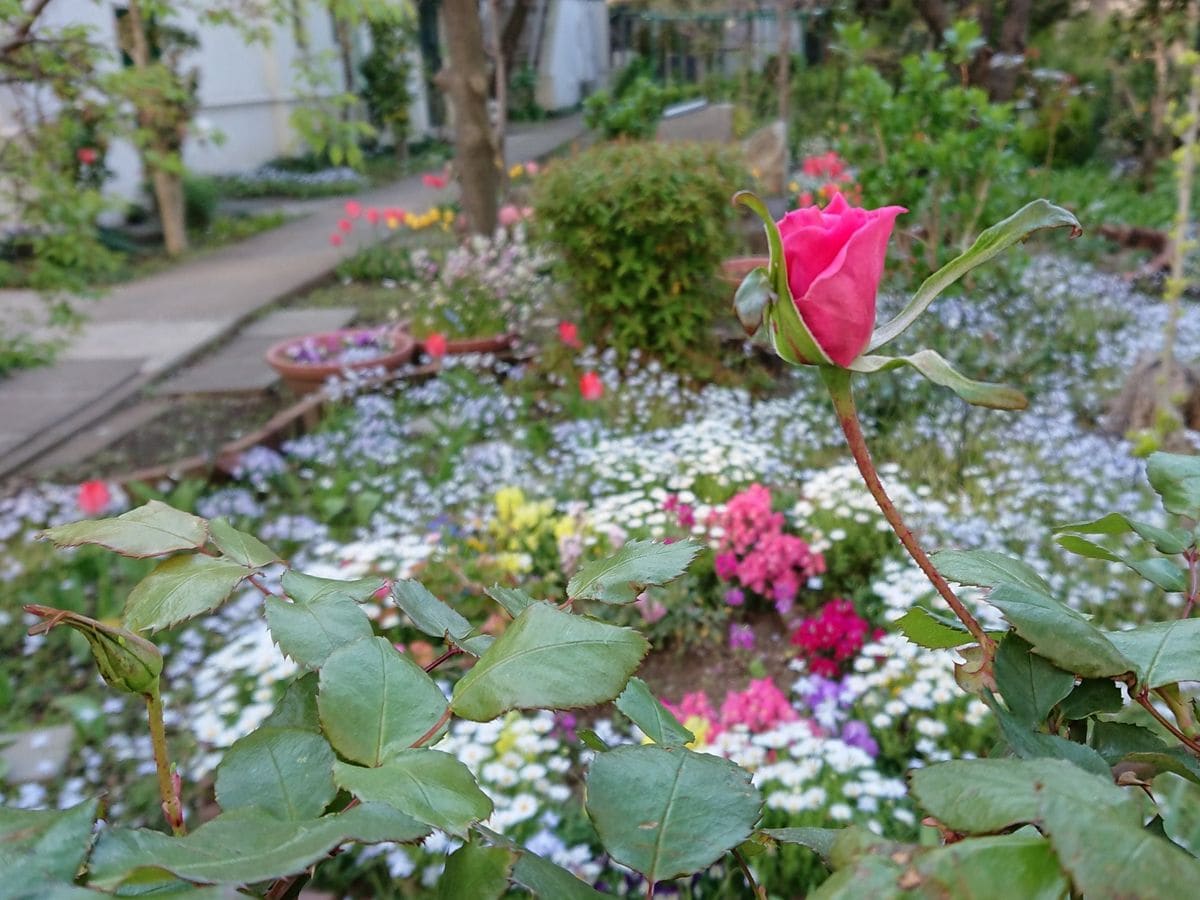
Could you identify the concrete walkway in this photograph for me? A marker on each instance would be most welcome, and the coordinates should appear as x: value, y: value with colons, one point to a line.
x: 147, y: 327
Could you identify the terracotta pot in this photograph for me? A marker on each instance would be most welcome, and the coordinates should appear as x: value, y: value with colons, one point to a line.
x: 304, y: 378
x: 497, y: 343
x: 736, y: 268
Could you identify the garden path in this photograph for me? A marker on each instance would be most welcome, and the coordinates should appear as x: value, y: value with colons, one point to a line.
x: 147, y: 327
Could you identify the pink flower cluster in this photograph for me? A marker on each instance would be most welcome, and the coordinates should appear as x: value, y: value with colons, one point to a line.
x: 758, y: 554
x: 831, y: 638
x: 823, y: 176
x: 760, y: 707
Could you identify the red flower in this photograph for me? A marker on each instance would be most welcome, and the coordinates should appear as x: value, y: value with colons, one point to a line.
x: 87, y: 155
x: 353, y: 209
x: 435, y: 345
x: 335, y: 239
x: 568, y: 333
x: 590, y: 386
x: 345, y: 225
x: 93, y: 497
x: 372, y: 215
x: 435, y: 181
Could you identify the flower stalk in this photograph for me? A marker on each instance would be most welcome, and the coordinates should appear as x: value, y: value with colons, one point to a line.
x: 841, y: 391
x: 167, y: 786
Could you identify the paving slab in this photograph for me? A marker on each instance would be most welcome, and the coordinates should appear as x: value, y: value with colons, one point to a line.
x: 96, y: 437
x: 35, y: 400
x: 286, y: 323
x: 710, y: 123
x: 155, y: 343
x: 238, y: 366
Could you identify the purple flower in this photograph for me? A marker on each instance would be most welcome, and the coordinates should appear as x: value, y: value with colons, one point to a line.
x: 734, y: 597
x: 857, y: 734
x: 741, y: 637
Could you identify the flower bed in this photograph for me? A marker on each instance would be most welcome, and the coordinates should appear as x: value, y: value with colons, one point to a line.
x: 481, y: 476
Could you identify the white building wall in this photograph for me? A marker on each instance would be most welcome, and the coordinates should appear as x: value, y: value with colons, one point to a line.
x: 574, y: 59
x: 246, y: 90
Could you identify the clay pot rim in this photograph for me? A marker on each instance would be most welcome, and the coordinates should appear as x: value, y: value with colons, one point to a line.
x: 404, y: 345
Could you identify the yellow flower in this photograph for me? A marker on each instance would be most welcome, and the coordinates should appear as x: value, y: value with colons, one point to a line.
x: 516, y: 171
x: 507, y: 500
x: 793, y: 187
x: 701, y: 728
x: 564, y: 528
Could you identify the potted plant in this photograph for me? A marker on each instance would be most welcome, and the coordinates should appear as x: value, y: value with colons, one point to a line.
x: 305, y: 363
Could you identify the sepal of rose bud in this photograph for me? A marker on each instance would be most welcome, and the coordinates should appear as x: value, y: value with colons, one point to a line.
x: 126, y: 661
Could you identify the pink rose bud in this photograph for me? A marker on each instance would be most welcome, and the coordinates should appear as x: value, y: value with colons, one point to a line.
x: 353, y: 209
x: 834, y: 259
x: 435, y: 345
x: 590, y: 386
x: 93, y: 498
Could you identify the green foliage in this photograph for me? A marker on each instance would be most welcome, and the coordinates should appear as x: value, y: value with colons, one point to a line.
x: 648, y: 804
x: 942, y: 150
x: 385, y: 73
x: 636, y: 566
x: 641, y: 229
x: 201, y: 194
x: 378, y: 262
x: 325, y: 119
x: 632, y: 112
x: 549, y: 659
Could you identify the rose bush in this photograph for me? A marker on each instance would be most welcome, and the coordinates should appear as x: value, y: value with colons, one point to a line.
x: 834, y: 259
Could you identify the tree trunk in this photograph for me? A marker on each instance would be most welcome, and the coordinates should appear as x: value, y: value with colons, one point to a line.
x: 783, y: 73
x: 1155, y: 140
x: 514, y: 27
x: 168, y: 186
x: 1014, y: 32
x: 936, y: 16
x: 345, y: 44
x: 501, y: 88
x: 466, y: 84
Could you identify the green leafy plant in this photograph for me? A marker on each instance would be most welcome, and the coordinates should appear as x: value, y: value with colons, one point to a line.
x: 942, y: 150
x: 641, y: 229
x: 631, y: 113
x: 385, y: 74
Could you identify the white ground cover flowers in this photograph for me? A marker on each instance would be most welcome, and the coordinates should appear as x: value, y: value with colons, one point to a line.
x: 399, y: 480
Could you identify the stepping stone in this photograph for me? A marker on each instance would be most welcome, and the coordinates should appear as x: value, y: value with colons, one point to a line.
x: 240, y: 366
x: 711, y: 123
x: 31, y: 402
x: 74, y: 454
x: 155, y: 343
x: 286, y: 323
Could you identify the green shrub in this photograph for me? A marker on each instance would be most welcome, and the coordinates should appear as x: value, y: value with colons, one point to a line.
x: 1064, y: 129
x: 641, y: 229
x: 201, y: 194
x: 944, y: 151
x: 378, y: 262
x: 633, y: 114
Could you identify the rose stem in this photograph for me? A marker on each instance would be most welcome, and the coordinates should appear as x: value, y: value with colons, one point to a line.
x: 158, y: 737
x: 838, y: 383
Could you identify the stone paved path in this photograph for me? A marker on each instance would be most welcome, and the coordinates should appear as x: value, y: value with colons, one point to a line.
x: 145, y: 328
